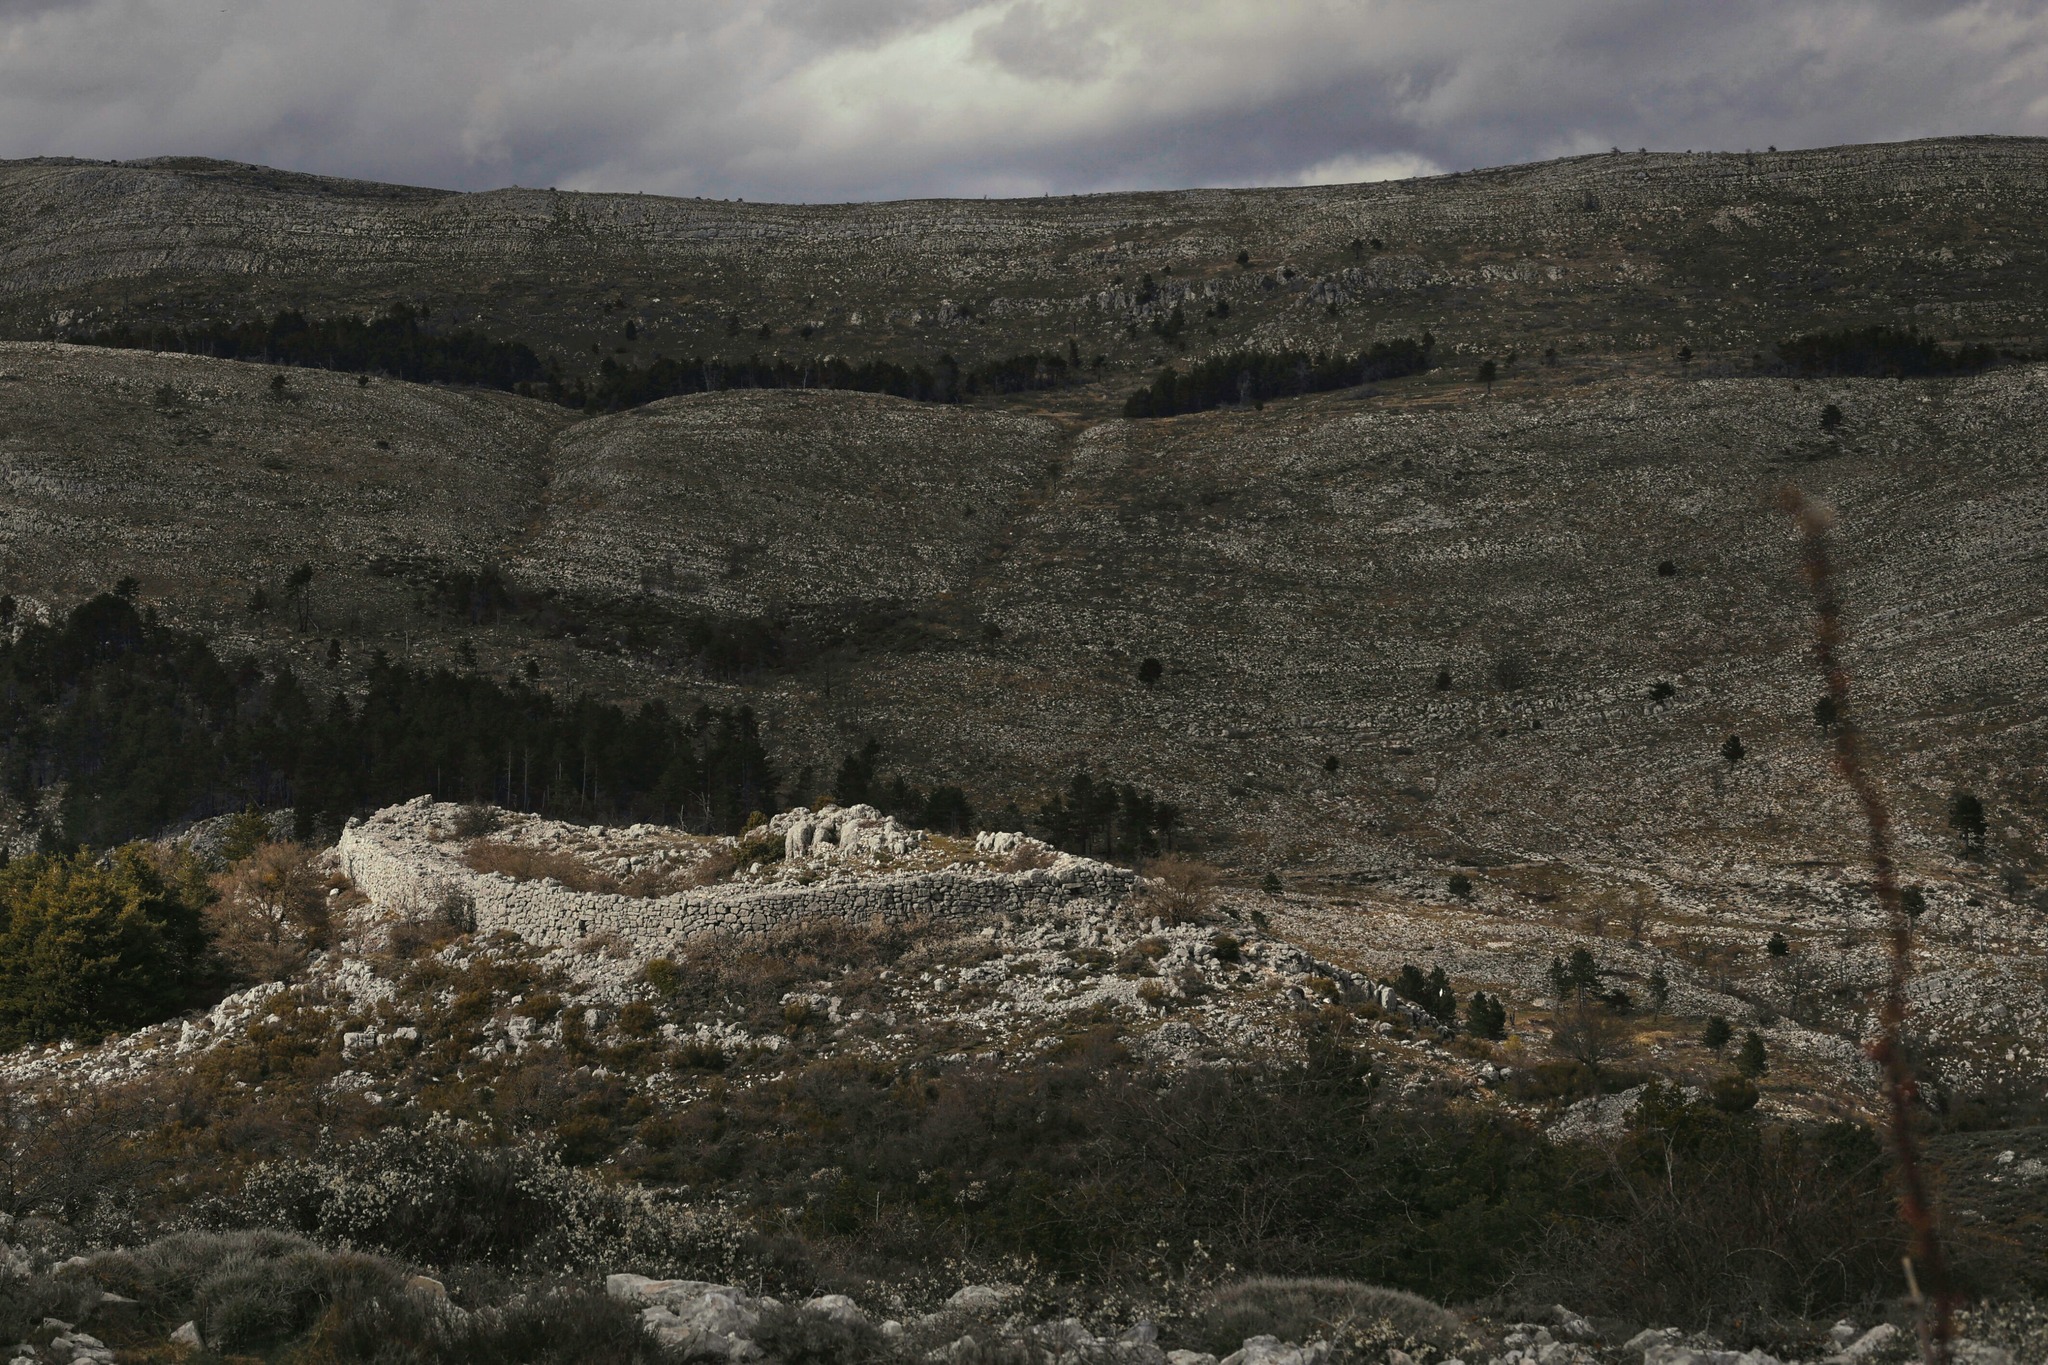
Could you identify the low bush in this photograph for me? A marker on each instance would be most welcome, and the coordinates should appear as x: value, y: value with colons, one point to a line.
x: 1708, y: 1215
x: 272, y: 1293
x: 1362, y: 1320
x: 27, y: 1298
x: 791, y: 1336
x: 440, y: 1195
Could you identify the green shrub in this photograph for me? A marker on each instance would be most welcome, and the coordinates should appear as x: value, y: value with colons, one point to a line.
x: 267, y: 1292
x: 1733, y: 1094
x: 247, y: 1291
x: 440, y: 1195
x: 88, y: 948
x: 555, y: 1327
x: 1355, y: 1316
x: 1713, y: 1216
x: 791, y: 1336
x: 25, y: 1300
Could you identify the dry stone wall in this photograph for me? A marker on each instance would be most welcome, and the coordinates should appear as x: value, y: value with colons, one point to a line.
x: 394, y: 859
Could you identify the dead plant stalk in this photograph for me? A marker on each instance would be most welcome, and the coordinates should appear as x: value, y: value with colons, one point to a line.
x: 1926, y: 1268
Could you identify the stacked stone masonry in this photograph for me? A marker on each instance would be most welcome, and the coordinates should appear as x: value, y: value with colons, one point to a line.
x: 395, y: 859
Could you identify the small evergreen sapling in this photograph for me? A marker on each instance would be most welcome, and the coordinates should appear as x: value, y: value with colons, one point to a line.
x: 1486, y: 1017
x: 1966, y: 818
x: 1577, y: 976
x: 1750, y: 1059
x: 1717, y: 1033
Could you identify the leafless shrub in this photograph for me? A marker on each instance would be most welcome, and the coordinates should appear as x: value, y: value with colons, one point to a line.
x: 477, y: 819
x: 1916, y: 1207
x: 270, y: 912
x: 609, y: 942
x: 1592, y: 1035
x: 414, y: 938
x: 650, y: 882
x: 1183, y: 889
x: 1027, y: 857
x: 456, y: 909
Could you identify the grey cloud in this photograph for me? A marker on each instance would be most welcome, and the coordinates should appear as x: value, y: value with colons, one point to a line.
x: 829, y: 23
x: 1030, y: 41
x: 817, y: 99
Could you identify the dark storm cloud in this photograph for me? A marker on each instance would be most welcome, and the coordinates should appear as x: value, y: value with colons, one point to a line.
x: 817, y: 99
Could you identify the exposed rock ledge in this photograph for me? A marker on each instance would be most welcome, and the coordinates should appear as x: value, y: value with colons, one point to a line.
x: 403, y: 858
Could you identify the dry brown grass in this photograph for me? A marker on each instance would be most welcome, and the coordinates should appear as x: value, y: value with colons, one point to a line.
x: 667, y: 881
x: 523, y: 864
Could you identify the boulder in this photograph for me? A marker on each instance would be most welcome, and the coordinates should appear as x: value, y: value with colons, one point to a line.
x: 694, y: 1316
x: 80, y: 1349
x: 837, y: 1307
x: 1570, y: 1325
x: 1264, y: 1350
x: 1869, y: 1343
x: 1651, y: 1337
x: 428, y: 1287
x: 981, y: 1298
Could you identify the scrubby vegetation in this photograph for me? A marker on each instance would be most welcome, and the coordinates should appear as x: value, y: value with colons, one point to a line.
x: 1094, y: 1167
x: 395, y: 342
x: 1880, y: 352
x: 617, y: 386
x: 267, y: 1295
x: 1252, y: 377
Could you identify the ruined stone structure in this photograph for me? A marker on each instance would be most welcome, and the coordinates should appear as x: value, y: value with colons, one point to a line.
x: 395, y: 859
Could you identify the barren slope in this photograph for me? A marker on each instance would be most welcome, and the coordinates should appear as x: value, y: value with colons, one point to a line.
x: 194, y: 477
x: 1302, y: 573
x: 748, y: 502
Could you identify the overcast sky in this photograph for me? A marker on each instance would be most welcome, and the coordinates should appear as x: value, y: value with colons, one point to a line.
x: 864, y: 99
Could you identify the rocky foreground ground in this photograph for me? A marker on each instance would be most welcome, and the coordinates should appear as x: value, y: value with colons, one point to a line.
x: 1185, y: 974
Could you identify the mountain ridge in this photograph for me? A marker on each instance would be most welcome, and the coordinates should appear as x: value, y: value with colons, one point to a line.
x: 1628, y: 254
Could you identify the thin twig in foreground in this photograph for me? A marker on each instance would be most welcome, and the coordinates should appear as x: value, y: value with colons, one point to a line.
x: 1926, y: 1269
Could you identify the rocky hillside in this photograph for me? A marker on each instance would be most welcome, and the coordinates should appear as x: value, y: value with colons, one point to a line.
x: 1600, y: 255
x: 1526, y: 956
x: 1464, y: 627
